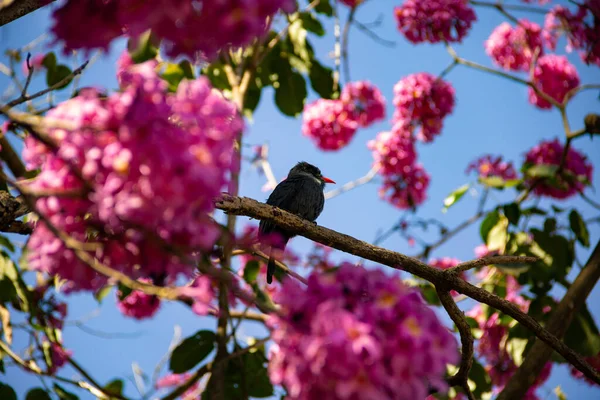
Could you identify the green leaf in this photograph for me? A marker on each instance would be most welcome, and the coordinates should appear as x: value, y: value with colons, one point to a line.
x: 455, y: 196
x: 174, y: 74
x: 560, y: 395
x: 498, y: 182
x: 324, y: 7
x: 192, y: 351
x: 123, y: 291
x: 311, y: 23
x: 488, y: 223
x: 554, y: 251
x: 102, y: 293
x: 533, y: 211
x: 57, y: 74
x: 498, y: 235
x: 542, y: 171
x: 579, y: 228
x: 49, y: 61
x: 550, y: 225
x: 115, y: 387
x: 37, y: 394
x: 248, y: 372
x: 215, y: 72
x: 8, y: 270
x: 7, y: 290
x: 516, y: 348
x: 512, y: 212
x: 7, y: 392
x: 291, y: 92
x: 582, y: 335
x: 144, y: 48
x: 429, y: 294
x: 63, y: 394
x: 7, y: 244
x: 251, y: 271
x: 321, y: 80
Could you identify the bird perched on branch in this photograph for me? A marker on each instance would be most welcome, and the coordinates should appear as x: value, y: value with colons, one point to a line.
x: 301, y: 193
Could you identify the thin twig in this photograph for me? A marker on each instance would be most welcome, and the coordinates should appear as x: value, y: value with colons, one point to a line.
x: 495, y: 260
x: 345, y: 40
x: 353, y: 184
x: 367, y: 31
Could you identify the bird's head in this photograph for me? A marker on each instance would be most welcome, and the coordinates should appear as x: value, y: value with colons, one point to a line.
x: 304, y: 168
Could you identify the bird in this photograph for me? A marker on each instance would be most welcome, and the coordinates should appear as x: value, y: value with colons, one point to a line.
x: 301, y: 193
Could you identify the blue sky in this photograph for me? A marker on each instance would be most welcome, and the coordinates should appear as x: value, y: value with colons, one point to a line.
x: 492, y: 115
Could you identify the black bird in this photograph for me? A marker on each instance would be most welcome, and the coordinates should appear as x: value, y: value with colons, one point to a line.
x: 301, y: 194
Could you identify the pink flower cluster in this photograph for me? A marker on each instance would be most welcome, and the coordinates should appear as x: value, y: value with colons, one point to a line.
x: 555, y: 76
x: 581, y: 35
x: 513, y: 48
x: 138, y: 304
x: 173, y: 380
x: 152, y: 162
x: 576, y: 174
x: 594, y: 361
x: 405, y: 181
x: 424, y: 100
x: 434, y: 21
x: 488, y: 166
x: 331, y: 124
x: 186, y: 26
x: 357, y: 333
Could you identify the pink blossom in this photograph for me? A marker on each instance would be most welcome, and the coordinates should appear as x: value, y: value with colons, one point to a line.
x: 365, y: 102
x: 58, y: 356
x: 577, y: 170
x: 201, y: 292
x: 594, y: 361
x: 555, y: 76
x: 329, y: 123
x: 581, y: 34
x: 542, y: 2
x: 154, y: 160
x: 489, y: 166
x: 138, y: 304
x: 424, y: 100
x: 172, y: 380
x: 513, y: 48
x: 357, y: 333
x: 434, y: 21
x: 408, y: 189
x: 393, y: 150
x: 185, y: 26
x: 482, y: 251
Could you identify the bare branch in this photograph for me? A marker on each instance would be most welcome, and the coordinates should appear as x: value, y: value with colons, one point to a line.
x: 19, y: 8
x: 489, y: 261
x: 353, y: 184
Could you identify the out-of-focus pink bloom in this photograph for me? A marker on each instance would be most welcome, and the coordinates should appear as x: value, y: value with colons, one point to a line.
x: 35, y: 62
x: 58, y: 355
x: 365, y: 102
x: 577, y: 170
x: 393, y: 150
x: 408, y: 189
x: 329, y: 124
x: 554, y: 76
x: 187, y: 27
x: 138, y: 304
x: 346, y: 320
x: 434, y: 21
x: 489, y: 165
x: 192, y: 393
x: 594, y: 361
x: 155, y: 161
x: 513, y: 48
x: 423, y: 100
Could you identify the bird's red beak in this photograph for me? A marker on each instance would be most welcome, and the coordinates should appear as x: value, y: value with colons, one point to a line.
x: 325, y: 179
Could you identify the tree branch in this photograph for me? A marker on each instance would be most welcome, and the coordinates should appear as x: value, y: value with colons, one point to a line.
x: 559, y: 322
x: 19, y: 9
x: 491, y: 260
x: 462, y: 376
x: 348, y: 244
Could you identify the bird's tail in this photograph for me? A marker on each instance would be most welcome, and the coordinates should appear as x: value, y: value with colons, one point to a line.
x: 270, y: 269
